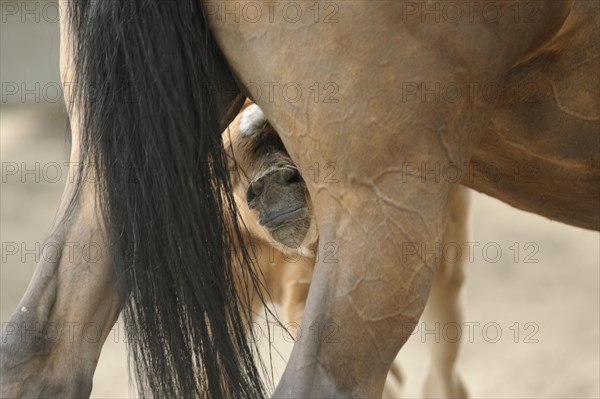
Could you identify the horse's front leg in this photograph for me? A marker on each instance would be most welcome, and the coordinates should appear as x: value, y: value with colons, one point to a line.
x: 368, y: 295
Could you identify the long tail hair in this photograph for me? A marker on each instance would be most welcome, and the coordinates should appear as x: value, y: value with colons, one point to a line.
x: 147, y: 90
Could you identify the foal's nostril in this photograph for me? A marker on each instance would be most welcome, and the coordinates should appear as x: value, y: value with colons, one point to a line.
x: 250, y: 194
x: 294, y: 176
x: 254, y: 190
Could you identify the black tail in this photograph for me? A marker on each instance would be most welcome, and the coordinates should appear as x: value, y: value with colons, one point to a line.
x: 147, y: 84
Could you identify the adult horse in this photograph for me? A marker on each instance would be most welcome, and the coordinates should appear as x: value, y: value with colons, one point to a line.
x: 157, y: 80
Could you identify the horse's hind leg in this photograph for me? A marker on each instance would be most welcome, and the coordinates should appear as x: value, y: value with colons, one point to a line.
x: 51, y: 344
x: 444, y: 311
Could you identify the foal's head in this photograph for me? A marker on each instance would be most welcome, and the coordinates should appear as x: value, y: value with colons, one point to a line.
x: 267, y: 184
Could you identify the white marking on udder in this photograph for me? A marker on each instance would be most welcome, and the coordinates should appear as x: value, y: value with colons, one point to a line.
x: 24, y: 309
x: 252, y: 121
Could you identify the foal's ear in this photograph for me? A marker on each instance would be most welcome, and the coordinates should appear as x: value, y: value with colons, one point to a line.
x: 246, y: 104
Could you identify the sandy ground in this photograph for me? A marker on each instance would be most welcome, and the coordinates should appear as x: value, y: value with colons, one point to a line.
x: 553, y: 303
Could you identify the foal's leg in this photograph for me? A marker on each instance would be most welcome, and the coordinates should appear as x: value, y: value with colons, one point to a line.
x: 295, y: 280
x: 394, y: 384
x: 444, y: 310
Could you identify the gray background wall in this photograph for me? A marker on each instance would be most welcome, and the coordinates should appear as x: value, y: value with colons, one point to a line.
x: 29, y: 52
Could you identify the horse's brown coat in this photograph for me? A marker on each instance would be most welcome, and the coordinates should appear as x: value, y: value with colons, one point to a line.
x: 543, y: 136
